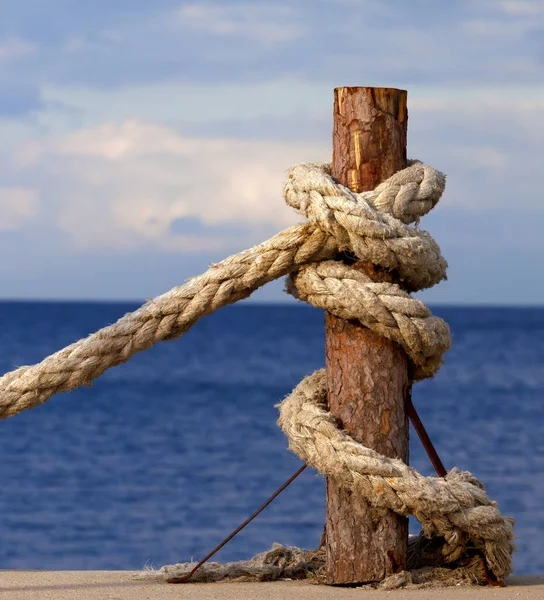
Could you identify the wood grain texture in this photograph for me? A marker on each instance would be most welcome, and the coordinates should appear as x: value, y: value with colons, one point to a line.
x: 366, y: 373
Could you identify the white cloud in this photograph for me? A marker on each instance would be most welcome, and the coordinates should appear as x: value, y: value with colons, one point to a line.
x: 514, y: 99
x: 489, y: 168
x: 279, y: 97
x: 492, y: 27
x: 526, y: 8
x: 482, y: 157
x: 12, y: 48
x: 17, y: 205
x: 122, y: 185
x: 130, y: 139
x: 506, y: 19
x: 267, y: 23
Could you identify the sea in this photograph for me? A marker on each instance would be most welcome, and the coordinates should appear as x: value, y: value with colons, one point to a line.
x: 165, y: 455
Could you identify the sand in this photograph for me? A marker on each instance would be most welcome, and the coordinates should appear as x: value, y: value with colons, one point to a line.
x: 121, y: 585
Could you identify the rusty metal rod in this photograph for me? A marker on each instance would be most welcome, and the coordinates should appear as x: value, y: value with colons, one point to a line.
x: 238, y: 529
x: 422, y: 433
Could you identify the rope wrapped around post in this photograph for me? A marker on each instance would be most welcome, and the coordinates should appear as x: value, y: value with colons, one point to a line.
x: 374, y: 226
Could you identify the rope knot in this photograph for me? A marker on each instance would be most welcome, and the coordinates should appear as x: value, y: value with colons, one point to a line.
x: 407, y: 195
x: 366, y: 224
x: 374, y: 226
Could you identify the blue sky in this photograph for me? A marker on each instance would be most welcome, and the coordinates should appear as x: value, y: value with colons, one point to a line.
x: 141, y: 141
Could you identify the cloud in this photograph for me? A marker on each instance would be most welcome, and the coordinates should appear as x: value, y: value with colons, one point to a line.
x: 525, y: 8
x: 17, y: 205
x: 125, y: 185
x: 166, y: 127
x: 18, y: 100
x: 273, y: 99
x: 18, y: 97
x: 12, y: 48
x: 499, y: 28
x: 194, y: 226
x: 116, y: 44
x: 130, y: 139
x: 214, y: 184
x: 268, y: 23
x: 513, y: 22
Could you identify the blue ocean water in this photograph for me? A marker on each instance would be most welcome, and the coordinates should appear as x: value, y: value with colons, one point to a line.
x: 166, y: 454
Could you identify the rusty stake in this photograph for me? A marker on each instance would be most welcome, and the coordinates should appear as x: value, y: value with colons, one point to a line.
x: 422, y: 433
x: 186, y: 578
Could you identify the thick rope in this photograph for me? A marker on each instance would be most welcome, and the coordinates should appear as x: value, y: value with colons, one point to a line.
x: 382, y: 307
x: 455, y: 507
x: 373, y: 226
x: 166, y: 317
x: 375, y: 236
x: 426, y: 567
x: 340, y: 220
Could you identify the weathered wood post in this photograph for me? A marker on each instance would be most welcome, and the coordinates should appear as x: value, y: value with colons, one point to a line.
x: 366, y: 373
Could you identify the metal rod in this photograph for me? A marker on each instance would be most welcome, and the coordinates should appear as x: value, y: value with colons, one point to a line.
x: 238, y: 529
x: 422, y: 433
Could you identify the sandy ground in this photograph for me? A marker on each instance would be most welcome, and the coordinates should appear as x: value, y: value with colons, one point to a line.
x: 121, y: 585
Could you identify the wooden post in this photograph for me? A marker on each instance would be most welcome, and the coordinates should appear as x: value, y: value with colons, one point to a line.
x: 366, y: 373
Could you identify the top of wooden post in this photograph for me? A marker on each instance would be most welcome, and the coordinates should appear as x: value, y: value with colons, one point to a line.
x: 369, y: 135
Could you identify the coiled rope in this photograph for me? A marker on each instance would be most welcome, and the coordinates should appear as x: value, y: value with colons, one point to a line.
x: 374, y: 226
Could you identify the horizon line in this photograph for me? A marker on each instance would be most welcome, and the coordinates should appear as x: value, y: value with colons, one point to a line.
x: 274, y: 303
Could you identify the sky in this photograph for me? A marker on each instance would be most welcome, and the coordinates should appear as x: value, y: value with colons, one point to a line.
x: 141, y: 141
